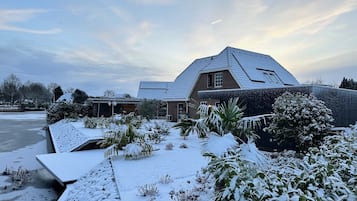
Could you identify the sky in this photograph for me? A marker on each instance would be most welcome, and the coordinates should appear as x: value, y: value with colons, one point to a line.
x: 103, y: 45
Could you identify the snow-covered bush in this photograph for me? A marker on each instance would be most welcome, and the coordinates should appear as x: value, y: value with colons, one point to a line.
x: 120, y: 137
x: 184, y: 195
x: 169, y: 146
x: 301, y: 119
x: 186, y: 127
x: 183, y: 146
x: 235, y: 179
x: 137, y: 150
x: 162, y: 127
x: 148, y: 190
x: 90, y: 122
x: 166, y: 179
x: 327, y: 172
x: 228, y: 118
x: 62, y: 110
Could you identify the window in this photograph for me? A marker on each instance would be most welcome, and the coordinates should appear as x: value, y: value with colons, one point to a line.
x: 180, y: 108
x: 209, y: 80
x: 271, y: 77
x: 218, y: 79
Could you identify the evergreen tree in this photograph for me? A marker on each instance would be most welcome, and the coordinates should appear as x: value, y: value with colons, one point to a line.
x: 58, y: 92
x: 348, y: 84
x: 79, y: 96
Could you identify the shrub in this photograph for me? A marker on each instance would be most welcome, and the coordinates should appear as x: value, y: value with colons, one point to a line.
x: 166, y: 179
x: 137, y: 150
x: 227, y: 118
x: 169, y: 146
x: 90, y: 122
x: 184, y: 195
x: 148, y: 190
x: 301, y: 119
x: 327, y: 172
x: 62, y: 110
x: 183, y: 146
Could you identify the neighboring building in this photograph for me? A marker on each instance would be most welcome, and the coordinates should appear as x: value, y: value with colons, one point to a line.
x: 108, y: 106
x: 230, y: 69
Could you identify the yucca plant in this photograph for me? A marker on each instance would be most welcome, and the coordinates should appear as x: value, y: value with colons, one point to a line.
x: 186, y: 126
x: 228, y: 118
x: 222, y: 119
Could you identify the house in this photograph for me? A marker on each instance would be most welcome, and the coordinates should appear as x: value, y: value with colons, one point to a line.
x: 108, y: 106
x: 232, y: 68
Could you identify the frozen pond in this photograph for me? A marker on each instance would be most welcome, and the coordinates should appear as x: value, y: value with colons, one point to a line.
x: 20, y: 129
x: 22, y: 138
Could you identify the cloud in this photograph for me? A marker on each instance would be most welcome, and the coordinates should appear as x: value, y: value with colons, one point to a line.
x: 307, y: 18
x: 216, y: 21
x: 90, y: 76
x: 7, y: 17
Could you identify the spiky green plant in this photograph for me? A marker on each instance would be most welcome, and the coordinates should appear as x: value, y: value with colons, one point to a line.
x: 186, y: 126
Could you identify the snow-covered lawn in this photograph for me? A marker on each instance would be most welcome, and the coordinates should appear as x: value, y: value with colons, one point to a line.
x: 180, y: 164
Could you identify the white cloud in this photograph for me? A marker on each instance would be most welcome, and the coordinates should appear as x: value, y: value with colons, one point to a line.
x: 7, y: 17
x: 216, y: 21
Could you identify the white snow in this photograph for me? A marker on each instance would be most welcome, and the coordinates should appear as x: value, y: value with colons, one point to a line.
x: 218, y: 145
x: 29, y: 193
x: 25, y: 158
x: 247, y: 69
x: 250, y: 152
x: 68, y: 136
x: 22, y: 115
x: 181, y: 164
x: 124, y: 178
x: 70, y: 166
x: 97, y: 184
x: 67, y: 97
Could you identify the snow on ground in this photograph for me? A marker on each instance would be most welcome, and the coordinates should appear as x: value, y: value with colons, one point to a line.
x: 67, y: 136
x: 97, y: 184
x: 22, y: 115
x: 181, y: 164
x: 29, y: 193
x: 24, y: 157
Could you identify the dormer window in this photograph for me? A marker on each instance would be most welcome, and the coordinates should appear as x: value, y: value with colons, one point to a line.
x: 270, y: 77
x: 218, y: 80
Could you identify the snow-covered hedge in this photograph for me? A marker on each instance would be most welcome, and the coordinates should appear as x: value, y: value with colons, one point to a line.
x: 327, y: 172
x: 301, y: 119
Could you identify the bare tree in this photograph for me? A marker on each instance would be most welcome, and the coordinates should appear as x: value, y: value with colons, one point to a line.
x: 109, y: 93
x: 10, y: 88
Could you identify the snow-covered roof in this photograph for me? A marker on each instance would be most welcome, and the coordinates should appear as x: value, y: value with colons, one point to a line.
x: 70, y: 166
x: 67, y: 137
x: 184, y: 82
x: 152, y: 90
x: 250, y: 70
x: 67, y: 97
